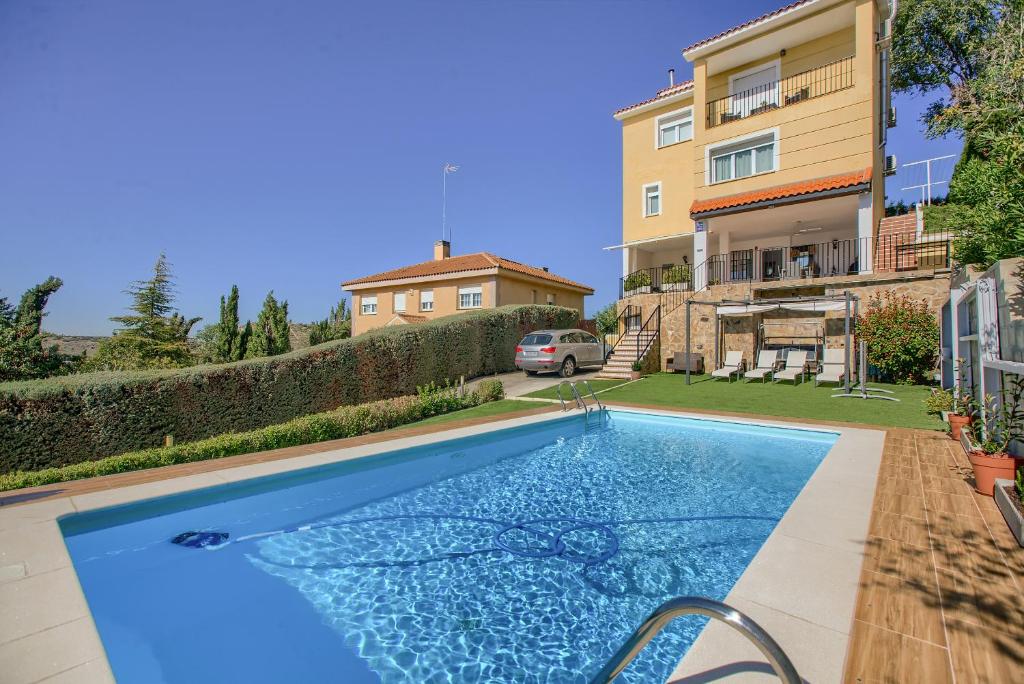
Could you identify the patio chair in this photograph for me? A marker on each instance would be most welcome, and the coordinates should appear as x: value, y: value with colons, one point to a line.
x: 733, y: 366
x: 677, y: 364
x: 766, y: 361
x: 796, y: 361
x: 833, y: 367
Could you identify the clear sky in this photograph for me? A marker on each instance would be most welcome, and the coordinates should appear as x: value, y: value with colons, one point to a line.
x: 292, y: 145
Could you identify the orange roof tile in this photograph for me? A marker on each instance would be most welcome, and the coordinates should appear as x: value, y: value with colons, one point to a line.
x: 748, y: 24
x: 839, y: 182
x: 465, y: 262
x: 661, y: 95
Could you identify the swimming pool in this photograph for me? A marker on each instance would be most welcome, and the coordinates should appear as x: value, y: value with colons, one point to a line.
x: 526, y: 554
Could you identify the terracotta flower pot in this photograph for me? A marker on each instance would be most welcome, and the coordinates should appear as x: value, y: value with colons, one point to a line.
x: 991, y: 467
x: 956, y: 423
x: 634, y: 375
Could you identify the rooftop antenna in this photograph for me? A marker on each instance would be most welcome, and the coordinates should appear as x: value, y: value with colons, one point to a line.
x: 448, y: 168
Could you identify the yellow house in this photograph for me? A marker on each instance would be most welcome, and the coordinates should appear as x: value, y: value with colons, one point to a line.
x: 451, y: 284
x: 769, y: 163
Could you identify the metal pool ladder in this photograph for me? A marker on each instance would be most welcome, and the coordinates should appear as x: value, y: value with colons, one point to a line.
x: 580, y: 403
x: 697, y: 605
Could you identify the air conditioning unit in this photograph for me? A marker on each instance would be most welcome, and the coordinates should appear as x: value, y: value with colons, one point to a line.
x: 890, y: 165
x: 891, y: 122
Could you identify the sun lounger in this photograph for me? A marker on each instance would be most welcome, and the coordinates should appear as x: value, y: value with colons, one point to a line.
x: 833, y: 367
x: 732, y: 366
x: 766, y: 361
x: 795, y: 363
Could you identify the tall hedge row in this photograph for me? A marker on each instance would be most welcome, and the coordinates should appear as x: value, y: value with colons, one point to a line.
x: 69, y: 419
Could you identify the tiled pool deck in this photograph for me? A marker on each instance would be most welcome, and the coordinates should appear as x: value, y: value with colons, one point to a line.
x: 940, y: 585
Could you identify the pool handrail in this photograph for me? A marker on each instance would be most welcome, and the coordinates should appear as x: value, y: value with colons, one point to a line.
x: 697, y: 605
x: 593, y: 396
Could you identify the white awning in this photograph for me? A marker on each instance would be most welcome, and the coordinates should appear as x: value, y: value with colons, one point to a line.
x: 746, y: 309
x: 649, y: 241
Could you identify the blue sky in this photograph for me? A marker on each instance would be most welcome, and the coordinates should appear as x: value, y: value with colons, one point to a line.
x: 290, y: 146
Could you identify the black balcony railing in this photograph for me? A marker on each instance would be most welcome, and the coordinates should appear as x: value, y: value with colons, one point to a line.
x: 807, y: 85
x: 886, y: 253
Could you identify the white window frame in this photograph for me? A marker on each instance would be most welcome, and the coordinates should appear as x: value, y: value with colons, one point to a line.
x: 476, y: 295
x: 661, y: 200
x: 394, y: 302
x: 428, y: 303
x: 677, y: 114
x: 709, y: 153
x: 764, y: 66
x: 368, y: 305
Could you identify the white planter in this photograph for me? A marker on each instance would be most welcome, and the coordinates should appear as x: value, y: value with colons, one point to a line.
x: 675, y: 287
x: 1013, y: 517
x: 637, y: 291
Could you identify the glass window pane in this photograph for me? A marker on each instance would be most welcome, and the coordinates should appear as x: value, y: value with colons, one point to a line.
x: 685, y: 130
x: 765, y: 160
x: 744, y: 163
x: 722, y: 170
x: 667, y: 136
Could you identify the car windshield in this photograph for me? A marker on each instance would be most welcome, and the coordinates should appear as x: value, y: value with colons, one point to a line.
x: 535, y: 339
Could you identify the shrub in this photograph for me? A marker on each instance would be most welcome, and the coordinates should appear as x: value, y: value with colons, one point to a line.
x: 347, y: 421
x: 637, y: 280
x: 938, y: 400
x: 680, y: 273
x: 65, y: 420
x: 490, y: 390
x: 902, y: 337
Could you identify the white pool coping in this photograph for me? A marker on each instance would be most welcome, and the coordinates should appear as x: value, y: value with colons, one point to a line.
x: 801, y: 586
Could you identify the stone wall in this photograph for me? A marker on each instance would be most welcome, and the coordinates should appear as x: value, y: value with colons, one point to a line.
x: 741, y: 332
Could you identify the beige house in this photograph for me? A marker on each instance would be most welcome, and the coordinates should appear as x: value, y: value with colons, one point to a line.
x: 452, y: 284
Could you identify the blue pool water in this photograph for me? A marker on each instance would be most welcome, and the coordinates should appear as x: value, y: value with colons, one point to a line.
x: 525, y: 555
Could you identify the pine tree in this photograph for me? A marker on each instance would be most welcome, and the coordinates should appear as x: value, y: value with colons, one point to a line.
x: 153, y: 335
x: 227, y: 328
x: 270, y: 334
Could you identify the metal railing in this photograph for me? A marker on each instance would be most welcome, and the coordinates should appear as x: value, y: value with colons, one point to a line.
x: 600, y: 406
x: 807, y: 85
x: 648, y: 331
x: 887, y: 254
x: 698, y: 605
x: 574, y: 392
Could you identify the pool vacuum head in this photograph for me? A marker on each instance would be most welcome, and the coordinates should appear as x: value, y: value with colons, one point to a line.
x: 199, y: 540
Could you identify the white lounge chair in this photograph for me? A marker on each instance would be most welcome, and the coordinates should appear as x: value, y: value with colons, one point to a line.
x: 795, y: 363
x: 766, y: 360
x: 732, y: 366
x: 833, y: 367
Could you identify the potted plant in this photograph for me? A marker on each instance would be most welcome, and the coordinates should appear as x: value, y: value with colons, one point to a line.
x: 961, y: 414
x: 676, y: 278
x: 939, y: 402
x: 991, y: 437
x: 636, y: 283
x: 637, y: 367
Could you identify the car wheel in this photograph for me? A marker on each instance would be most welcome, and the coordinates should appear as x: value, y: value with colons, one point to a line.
x: 531, y: 373
x: 568, y: 367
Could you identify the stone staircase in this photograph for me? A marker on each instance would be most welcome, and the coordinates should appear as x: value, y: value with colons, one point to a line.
x: 620, y: 361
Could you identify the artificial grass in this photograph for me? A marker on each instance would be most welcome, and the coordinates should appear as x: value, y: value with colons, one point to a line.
x: 493, y: 408
x: 552, y: 392
x: 780, y: 400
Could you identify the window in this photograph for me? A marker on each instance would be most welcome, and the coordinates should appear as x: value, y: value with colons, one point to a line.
x: 589, y: 339
x: 747, y: 158
x: 675, y: 127
x: 368, y: 305
x: 399, y: 305
x: 652, y: 199
x: 427, y: 300
x: 551, y: 299
x: 471, y: 297
x: 534, y: 340
x: 754, y: 91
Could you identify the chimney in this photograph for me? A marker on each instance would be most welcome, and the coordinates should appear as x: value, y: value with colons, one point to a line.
x: 442, y: 250
x: 671, y: 77
x: 545, y: 268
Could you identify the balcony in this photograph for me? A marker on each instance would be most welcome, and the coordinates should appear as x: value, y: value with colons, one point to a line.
x: 808, y: 85
x: 889, y: 253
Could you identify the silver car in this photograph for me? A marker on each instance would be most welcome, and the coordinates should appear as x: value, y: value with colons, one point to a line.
x: 558, y: 351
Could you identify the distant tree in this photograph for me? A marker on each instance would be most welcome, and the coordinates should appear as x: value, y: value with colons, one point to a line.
x: 22, y: 354
x: 227, y: 328
x: 337, y: 326
x: 205, y: 348
x: 607, y: 319
x: 243, y: 341
x: 270, y: 334
x: 154, y: 335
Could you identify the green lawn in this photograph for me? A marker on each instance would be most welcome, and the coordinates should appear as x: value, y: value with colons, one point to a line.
x: 552, y: 392
x: 492, y: 408
x: 781, y: 400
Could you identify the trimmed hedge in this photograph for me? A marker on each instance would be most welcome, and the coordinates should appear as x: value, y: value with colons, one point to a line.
x: 347, y: 421
x: 65, y: 420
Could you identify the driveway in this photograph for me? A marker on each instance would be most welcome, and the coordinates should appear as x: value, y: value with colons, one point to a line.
x: 518, y: 383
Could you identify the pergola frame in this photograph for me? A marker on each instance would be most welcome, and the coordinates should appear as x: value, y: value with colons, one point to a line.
x: 852, y: 308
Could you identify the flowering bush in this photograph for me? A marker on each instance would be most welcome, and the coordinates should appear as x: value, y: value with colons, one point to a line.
x: 902, y: 337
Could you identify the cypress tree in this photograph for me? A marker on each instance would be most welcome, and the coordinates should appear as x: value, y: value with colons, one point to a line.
x: 270, y: 334
x: 227, y: 328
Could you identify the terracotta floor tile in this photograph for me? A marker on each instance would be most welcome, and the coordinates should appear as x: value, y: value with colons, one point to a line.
x: 896, y: 485
x: 900, y: 504
x: 981, y: 560
x: 906, y: 561
x: 956, y: 504
x: 903, y: 460
x: 964, y: 528
x: 897, y: 472
x: 983, y: 655
x: 946, y: 485
x: 901, y: 528
x: 941, y: 471
x: 910, y: 607
x: 985, y: 604
x: 878, y: 655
